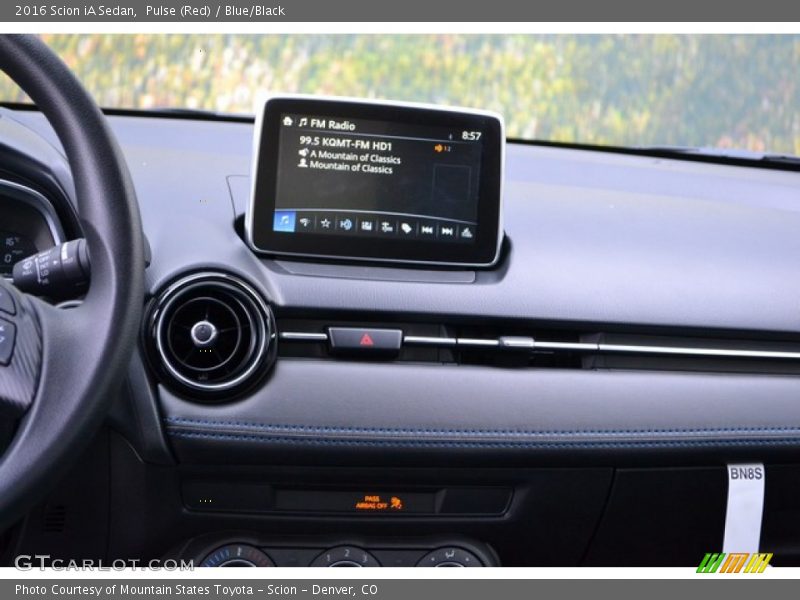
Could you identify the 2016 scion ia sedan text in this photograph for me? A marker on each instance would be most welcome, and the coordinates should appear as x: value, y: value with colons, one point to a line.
x: 359, y: 332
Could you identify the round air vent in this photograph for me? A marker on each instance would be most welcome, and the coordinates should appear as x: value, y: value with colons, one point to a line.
x: 212, y: 335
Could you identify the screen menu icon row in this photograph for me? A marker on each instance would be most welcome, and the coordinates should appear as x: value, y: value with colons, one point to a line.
x: 364, y: 224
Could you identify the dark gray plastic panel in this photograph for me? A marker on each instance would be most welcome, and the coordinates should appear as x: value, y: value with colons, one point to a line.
x: 594, y: 237
x: 371, y: 273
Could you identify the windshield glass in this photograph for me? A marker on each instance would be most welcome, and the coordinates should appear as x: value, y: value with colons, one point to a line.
x: 720, y: 91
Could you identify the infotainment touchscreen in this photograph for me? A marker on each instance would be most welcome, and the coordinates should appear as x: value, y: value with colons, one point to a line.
x: 374, y: 181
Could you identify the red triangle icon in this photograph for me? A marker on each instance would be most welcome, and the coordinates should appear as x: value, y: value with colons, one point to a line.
x: 366, y: 340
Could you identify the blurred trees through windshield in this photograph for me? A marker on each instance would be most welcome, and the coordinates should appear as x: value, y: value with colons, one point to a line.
x: 739, y: 91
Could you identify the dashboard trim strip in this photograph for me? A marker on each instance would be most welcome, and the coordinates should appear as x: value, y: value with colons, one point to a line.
x: 424, y: 340
x: 238, y: 425
x: 300, y: 336
x: 602, y: 348
x: 477, y: 342
x: 566, y: 346
x: 477, y: 443
x: 706, y: 352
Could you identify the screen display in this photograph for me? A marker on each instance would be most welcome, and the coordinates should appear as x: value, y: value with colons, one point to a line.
x: 377, y: 182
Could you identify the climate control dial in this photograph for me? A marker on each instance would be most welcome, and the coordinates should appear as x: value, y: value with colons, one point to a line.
x: 450, y: 557
x: 237, y: 555
x: 345, y: 556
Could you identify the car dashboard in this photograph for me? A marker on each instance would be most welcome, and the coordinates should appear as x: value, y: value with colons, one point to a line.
x: 575, y: 404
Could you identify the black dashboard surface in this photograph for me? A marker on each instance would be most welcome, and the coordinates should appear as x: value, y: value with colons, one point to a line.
x: 594, y: 240
x: 594, y: 237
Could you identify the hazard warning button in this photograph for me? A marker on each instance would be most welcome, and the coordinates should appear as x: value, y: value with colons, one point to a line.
x: 355, y: 340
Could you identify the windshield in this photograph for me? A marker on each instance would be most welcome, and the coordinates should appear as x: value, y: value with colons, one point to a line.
x: 716, y: 91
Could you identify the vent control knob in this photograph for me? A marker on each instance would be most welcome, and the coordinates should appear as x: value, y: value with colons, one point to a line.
x: 204, y: 334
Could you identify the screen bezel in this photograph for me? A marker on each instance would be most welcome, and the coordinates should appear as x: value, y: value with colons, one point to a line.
x: 484, y: 252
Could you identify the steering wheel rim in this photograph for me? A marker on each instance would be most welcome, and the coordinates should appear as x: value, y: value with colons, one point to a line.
x: 82, y: 353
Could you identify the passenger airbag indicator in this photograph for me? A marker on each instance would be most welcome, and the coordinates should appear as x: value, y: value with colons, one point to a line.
x: 370, y: 502
x: 377, y: 502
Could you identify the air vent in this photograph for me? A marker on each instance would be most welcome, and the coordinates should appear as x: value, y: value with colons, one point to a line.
x: 211, y: 335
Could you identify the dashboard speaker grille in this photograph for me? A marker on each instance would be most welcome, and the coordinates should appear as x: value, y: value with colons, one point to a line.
x: 212, y: 335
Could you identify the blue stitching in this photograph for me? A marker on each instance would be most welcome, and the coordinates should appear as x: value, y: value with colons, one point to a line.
x: 500, y: 432
x: 501, y: 445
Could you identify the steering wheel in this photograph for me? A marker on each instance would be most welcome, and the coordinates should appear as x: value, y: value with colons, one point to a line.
x: 65, y: 365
